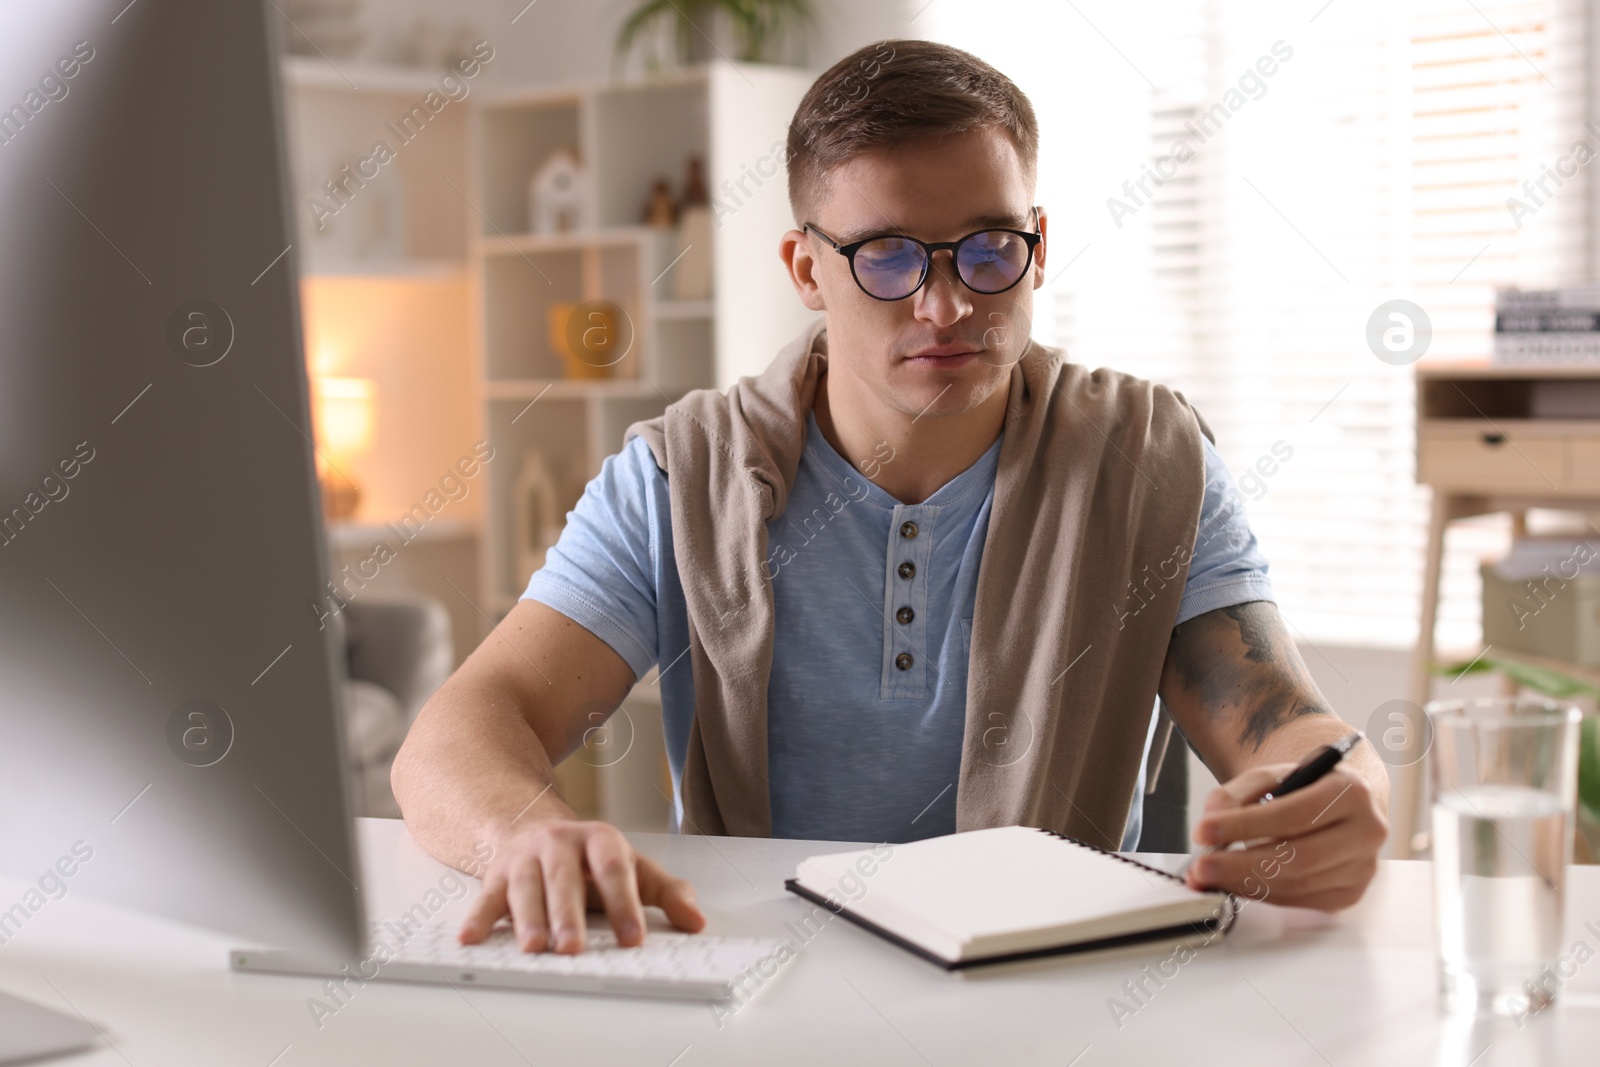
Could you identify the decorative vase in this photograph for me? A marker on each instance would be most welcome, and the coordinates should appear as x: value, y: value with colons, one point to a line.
x: 536, y: 506
x: 577, y: 363
x: 692, y: 272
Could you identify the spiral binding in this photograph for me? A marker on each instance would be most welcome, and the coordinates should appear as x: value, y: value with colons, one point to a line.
x: 1231, y: 904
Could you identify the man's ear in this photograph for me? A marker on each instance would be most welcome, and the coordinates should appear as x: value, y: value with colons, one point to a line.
x: 795, y: 251
x: 1044, y: 243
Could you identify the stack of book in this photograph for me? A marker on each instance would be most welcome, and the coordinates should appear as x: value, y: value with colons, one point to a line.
x: 1544, y: 327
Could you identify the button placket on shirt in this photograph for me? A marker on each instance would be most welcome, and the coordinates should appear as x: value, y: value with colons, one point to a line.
x: 905, y: 603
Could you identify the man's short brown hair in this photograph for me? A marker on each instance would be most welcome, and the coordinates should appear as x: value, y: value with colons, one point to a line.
x: 895, y: 92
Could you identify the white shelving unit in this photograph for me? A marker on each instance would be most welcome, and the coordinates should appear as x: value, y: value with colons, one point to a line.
x: 734, y: 117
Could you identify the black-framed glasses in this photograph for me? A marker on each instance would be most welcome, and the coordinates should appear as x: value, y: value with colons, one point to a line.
x: 893, y: 266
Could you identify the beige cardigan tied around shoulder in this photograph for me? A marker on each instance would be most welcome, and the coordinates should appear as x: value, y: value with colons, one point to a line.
x: 1096, y: 505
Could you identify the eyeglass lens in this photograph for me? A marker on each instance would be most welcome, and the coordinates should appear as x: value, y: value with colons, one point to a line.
x: 891, y: 267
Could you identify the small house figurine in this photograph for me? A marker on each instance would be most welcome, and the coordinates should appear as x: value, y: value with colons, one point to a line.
x: 556, y: 195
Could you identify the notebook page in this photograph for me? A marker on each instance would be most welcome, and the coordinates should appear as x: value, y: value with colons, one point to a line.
x: 985, y: 884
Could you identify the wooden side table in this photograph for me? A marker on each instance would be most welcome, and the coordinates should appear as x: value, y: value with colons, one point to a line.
x: 1492, y: 439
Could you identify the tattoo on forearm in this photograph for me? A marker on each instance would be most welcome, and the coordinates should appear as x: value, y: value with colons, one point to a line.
x: 1256, y: 629
x: 1266, y: 683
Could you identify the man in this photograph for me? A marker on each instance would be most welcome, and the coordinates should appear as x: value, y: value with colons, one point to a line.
x: 922, y: 575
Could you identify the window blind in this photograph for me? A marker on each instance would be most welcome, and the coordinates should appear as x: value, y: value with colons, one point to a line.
x: 1301, y: 164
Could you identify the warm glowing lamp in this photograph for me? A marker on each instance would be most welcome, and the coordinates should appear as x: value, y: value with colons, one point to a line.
x: 346, y: 418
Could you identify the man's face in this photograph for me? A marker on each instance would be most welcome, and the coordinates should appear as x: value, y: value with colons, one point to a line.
x: 944, y: 349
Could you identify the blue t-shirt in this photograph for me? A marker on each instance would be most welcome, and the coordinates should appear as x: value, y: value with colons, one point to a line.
x: 859, y: 748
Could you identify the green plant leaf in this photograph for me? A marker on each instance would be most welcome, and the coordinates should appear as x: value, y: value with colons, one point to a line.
x: 1539, y: 679
x: 640, y: 20
x: 759, y: 25
x: 1589, y: 766
x: 1561, y: 686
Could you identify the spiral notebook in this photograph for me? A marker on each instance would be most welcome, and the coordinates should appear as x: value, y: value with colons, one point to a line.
x: 1013, y: 892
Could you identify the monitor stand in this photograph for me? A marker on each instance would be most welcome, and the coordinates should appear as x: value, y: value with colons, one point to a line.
x: 29, y: 1032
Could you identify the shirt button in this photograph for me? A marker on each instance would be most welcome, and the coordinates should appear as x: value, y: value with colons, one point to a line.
x: 903, y: 661
x: 908, y: 569
x: 905, y: 615
x: 908, y: 530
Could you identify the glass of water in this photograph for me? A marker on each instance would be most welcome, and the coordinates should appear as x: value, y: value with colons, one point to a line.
x: 1504, y: 775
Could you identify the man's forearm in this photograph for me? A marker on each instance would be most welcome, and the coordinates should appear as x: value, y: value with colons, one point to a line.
x: 1236, y: 685
x: 471, y: 770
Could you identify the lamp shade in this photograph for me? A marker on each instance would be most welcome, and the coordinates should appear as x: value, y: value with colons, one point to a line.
x: 346, y: 414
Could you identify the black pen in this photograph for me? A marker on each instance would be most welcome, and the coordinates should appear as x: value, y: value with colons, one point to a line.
x: 1309, y: 770
x: 1313, y: 767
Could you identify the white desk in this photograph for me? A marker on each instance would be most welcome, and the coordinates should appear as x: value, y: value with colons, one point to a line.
x: 1286, y: 987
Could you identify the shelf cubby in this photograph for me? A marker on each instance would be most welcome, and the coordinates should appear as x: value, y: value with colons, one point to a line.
x: 557, y: 428
x: 644, y: 133
x: 523, y: 289
x: 515, y: 141
x: 401, y: 217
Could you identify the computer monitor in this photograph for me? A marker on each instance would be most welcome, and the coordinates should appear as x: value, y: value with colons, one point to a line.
x: 170, y: 731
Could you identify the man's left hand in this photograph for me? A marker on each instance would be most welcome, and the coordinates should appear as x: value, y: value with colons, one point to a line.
x: 1315, y: 848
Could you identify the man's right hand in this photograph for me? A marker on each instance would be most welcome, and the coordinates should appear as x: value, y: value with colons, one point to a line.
x: 546, y: 875
x: 477, y: 770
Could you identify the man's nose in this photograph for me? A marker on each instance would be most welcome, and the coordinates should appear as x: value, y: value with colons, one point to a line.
x: 943, y: 299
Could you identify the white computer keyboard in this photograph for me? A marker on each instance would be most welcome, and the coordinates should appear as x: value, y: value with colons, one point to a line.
x: 689, y: 966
